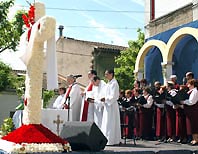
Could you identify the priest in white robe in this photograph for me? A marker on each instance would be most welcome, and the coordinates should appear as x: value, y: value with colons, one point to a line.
x: 98, y: 93
x: 72, y: 98
x: 111, y: 115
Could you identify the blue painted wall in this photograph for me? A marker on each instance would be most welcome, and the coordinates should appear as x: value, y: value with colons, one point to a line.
x: 185, y: 56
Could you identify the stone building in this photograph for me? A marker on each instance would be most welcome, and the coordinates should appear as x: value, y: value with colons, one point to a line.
x: 163, y: 15
x: 171, y: 32
x: 79, y: 56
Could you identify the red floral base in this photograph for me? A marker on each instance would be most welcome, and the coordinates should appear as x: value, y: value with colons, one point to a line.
x: 33, y: 133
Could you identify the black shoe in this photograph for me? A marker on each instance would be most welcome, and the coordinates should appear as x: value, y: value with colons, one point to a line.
x: 161, y: 140
x: 193, y: 143
x: 189, y: 139
x: 184, y: 141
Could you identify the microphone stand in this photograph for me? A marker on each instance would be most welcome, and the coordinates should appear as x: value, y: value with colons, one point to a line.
x: 68, y: 113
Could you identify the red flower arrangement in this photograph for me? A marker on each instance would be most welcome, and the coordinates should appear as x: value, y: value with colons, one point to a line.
x: 29, y: 19
x: 33, y: 133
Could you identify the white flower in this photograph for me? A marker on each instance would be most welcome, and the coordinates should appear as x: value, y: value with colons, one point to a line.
x: 11, y: 147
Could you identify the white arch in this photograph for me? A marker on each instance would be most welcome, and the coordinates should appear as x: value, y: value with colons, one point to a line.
x: 175, y: 38
x: 139, y: 65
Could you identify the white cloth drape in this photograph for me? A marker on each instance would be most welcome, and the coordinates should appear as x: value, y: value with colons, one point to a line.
x: 52, y: 74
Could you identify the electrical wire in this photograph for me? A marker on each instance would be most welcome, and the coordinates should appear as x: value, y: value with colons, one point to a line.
x: 93, y: 27
x: 90, y: 10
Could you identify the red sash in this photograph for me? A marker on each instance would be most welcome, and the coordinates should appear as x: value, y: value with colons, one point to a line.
x: 86, y: 105
x: 66, y: 96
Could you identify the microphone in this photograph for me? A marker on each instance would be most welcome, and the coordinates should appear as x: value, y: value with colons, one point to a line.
x: 77, y: 76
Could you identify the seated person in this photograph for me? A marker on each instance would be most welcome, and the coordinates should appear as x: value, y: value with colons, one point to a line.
x: 57, y: 104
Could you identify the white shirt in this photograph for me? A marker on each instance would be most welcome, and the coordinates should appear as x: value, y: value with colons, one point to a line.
x: 98, y: 93
x: 193, y: 97
x: 149, y: 101
x: 172, y: 92
x: 58, y: 102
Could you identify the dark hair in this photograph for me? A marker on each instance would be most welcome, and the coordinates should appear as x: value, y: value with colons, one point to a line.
x: 138, y: 90
x: 157, y: 83
x: 170, y: 85
x: 138, y: 82
x: 63, y: 88
x: 147, y: 89
x: 110, y: 71
x: 95, y: 78
x: 93, y: 72
x: 143, y: 81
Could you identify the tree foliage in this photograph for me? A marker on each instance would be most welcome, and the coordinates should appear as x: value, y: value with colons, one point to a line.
x: 126, y: 62
x: 7, y: 126
x: 10, y: 31
x: 5, y: 75
x: 47, y: 95
x: 8, y: 79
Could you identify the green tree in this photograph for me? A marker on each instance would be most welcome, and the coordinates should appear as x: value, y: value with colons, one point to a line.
x: 47, y: 95
x: 126, y: 62
x: 10, y: 31
x: 7, y: 126
x: 8, y: 79
x: 5, y: 75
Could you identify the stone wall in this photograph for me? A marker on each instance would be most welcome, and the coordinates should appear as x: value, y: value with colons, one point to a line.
x: 8, y: 102
x: 77, y: 57
x: 74, y: 57
x: 179, y: 17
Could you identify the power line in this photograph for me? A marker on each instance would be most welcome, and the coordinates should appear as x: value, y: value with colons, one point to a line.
x: 95, y: 10
x: 103, y: 11
x: 91, y: 10
x: 95, y: 27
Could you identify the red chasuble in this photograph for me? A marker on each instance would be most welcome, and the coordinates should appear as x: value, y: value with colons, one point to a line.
x: 86, y: 105
x: 66, y: 96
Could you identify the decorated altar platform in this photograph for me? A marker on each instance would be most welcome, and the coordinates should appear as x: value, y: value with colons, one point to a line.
x: 49, y: 118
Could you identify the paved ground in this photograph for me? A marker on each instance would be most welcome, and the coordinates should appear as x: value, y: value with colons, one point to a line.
x: 154, y: 146
x: 146, y: 147
x: 141, y: 147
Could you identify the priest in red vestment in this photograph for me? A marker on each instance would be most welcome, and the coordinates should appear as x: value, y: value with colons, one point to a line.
x: 87, y: 110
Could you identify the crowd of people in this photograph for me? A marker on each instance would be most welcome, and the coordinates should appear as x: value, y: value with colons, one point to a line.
x: 97, y: 103
x: 164, y: 113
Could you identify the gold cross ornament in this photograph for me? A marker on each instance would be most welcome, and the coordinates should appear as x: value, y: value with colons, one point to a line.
x: 58, y: 122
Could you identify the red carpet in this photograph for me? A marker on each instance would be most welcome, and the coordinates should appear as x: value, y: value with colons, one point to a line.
x: 33, y: 133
